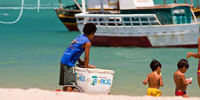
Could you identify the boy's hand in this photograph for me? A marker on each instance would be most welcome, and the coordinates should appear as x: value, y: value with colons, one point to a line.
x: 189, y: 54
x: 80, y: 65
x: 189, y: 81
x: 83, y: 66
x: 91, y: 66
x: 144, y: 83
x: 81, y: 61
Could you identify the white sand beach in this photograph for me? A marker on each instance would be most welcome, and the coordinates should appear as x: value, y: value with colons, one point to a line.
x: 38, y: 94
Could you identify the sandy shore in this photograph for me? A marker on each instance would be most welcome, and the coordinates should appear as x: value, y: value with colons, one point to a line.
x: 37, y: 94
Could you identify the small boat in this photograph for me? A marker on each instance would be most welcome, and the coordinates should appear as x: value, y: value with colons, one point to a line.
x: 197, y: 9
x: 141, y: 23
x: 67, y: 14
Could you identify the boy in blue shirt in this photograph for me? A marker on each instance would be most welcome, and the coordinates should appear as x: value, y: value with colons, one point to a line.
x: 72, y: 54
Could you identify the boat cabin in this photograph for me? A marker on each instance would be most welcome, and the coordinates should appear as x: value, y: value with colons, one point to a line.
x: 107, y: 4
x: 166, y: 14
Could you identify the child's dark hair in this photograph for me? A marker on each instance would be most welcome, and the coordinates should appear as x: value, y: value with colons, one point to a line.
x: 89, y: 28
x: 183, y: 63
x: 155, y: 64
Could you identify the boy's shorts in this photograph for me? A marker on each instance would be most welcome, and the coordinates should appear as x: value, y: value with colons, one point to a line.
x: 154, y: 92
x: 67, y: 75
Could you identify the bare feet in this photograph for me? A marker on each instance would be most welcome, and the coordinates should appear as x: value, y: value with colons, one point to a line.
x: 189, y: 54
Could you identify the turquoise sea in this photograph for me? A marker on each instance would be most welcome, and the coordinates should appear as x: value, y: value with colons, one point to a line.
x: 31, y: 49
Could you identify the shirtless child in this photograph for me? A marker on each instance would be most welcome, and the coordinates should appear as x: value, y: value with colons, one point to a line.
x: 179, y: 78
x: 154, y: 79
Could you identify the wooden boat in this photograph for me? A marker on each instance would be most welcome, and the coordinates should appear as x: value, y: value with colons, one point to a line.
x: 197, y: 9
x: 67, y: 14
x: 143, y: 24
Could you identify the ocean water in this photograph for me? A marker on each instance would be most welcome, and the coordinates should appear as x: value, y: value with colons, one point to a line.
x: 31, y: 50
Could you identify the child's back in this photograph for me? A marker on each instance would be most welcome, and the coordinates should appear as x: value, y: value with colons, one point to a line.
x: 154, y: 80
x: 179, y: 78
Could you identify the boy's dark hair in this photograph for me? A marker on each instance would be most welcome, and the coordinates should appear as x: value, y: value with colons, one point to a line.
x: 183, y: 63
x: 155, y: 64
x: 89, y: 28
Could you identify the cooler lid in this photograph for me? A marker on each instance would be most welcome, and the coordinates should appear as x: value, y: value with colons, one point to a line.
x: 96, y: 70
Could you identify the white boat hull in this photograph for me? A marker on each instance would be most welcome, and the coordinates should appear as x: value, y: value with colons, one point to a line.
x: 148, y: 35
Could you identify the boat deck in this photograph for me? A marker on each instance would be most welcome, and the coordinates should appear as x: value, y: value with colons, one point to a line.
x: 163, y: 6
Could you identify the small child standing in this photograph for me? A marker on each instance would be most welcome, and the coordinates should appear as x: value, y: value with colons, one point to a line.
x: 154, y: 79
x: 180, y: 80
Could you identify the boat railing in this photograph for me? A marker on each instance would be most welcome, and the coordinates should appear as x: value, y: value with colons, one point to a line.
x: 117, y: 20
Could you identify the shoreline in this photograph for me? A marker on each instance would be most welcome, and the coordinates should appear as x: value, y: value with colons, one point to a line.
x: 38, y: 94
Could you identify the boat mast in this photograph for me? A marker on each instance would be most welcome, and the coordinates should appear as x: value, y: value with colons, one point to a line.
x: 198, y: 2
x: 77, y: 4
x: 102, y: 10
x: 83, y: 6
x: 192, y: 3
x: 60, y: 4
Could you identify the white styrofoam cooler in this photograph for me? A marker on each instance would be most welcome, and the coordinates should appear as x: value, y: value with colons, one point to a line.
x: 94, y: 81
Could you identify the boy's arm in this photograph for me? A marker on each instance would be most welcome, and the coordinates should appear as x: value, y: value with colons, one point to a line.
x: 86, y: 58
x: 195, y: 55
x: 185, y: 83
x: 87, y: 50
x: 146, y: 80
x: 81, y: 62
x: 161, y: 82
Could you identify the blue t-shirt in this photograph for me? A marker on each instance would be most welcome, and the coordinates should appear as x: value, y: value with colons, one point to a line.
x: 74, y: 50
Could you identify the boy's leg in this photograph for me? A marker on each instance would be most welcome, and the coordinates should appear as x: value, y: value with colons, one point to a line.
x: 69, y: 77
x: 198, y: 73
x: 61, y: 76
x: 198, y: 76
x: 185, y: 95
x: 68, y: 89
